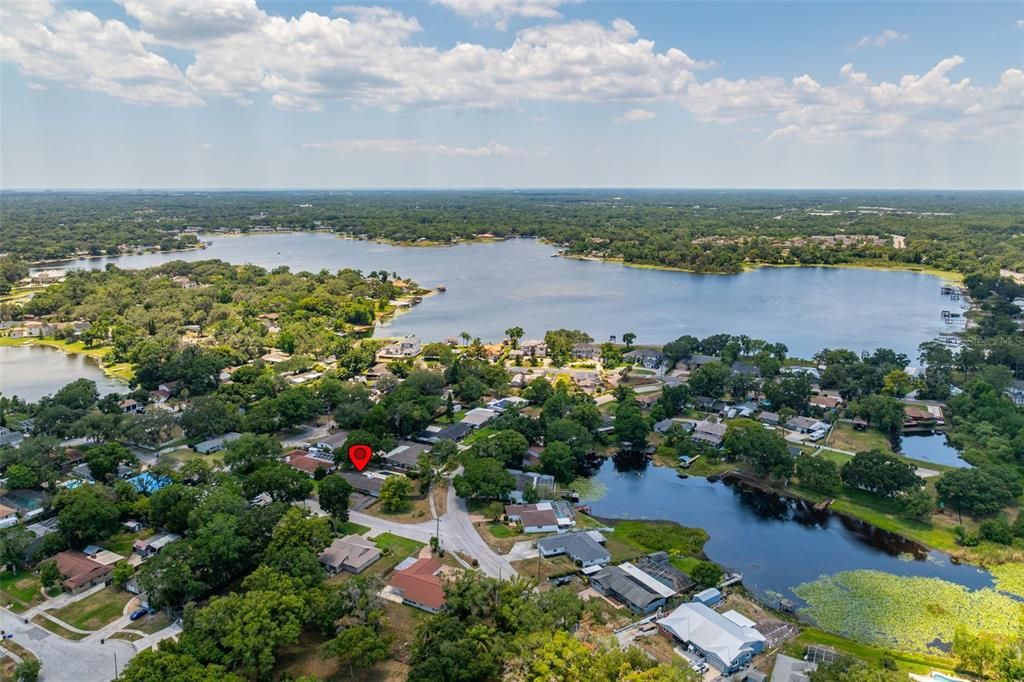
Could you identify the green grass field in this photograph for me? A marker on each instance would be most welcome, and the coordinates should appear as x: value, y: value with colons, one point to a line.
x: 96, y: 610
x: 20, y: 590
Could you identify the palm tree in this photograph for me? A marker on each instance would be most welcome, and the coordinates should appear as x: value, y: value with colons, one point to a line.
x: 465, y: 336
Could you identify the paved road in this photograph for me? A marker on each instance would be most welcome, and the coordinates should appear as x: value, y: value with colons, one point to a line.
x: 456, y: 533
x: 65, y: 660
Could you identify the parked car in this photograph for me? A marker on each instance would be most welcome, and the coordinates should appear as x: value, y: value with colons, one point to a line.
x: 138, y: 613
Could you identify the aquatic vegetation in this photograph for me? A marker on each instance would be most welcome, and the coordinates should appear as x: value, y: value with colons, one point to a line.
x: 589, y: 489
x: 1010, y: 578
x: 905, y: 613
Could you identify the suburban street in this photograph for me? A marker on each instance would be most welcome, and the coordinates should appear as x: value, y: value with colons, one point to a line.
x: 456, y: 533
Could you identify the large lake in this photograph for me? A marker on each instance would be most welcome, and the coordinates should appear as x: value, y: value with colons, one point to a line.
x: 775, y: 542
x: 30, y: 372
x: 494, y: 286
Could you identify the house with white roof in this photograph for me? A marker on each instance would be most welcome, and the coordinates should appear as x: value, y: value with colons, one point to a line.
x: 726, y: 645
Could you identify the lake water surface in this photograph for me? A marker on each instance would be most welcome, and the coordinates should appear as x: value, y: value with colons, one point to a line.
x: 494, y: 286
x: 775, y: 542
x: 30, y: 372
x: 933, y: 447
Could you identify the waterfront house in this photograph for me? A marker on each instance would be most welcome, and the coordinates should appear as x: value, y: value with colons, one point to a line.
x: 586, y: 351
x: 534, y: 348
x: 640, y: 593
x: 583, y: 547
x: 789, y: 669
x: 697, y: 361
x: 543, y: 517
x: 645, y: 357
x: 709, y: 433
x: 659, y: 566
x: 529, y: 479
x: 352, y: 554
x: 47, y: 276
x: 917, y: 419
x: 406, y: 347
x: 726, y: 645
x: 419, y: 586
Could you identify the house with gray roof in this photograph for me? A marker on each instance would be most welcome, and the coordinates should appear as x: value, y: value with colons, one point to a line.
x: 352, y: 553
x: 789, y: 669
x: 638, y: 596
x: 406, y: 455
x: 583, y: 547
x: 709, y: 433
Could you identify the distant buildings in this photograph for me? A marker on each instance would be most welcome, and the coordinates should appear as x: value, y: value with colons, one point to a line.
x: 407, y: 347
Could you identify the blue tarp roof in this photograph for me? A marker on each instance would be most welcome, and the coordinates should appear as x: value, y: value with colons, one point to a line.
x: 148, y: 483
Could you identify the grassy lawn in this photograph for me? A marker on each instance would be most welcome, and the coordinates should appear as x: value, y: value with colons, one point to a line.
x: 906, y: 662
x: 351, y: 528
x: 121, y: 543
x: 20, y: 590
x: 844, y: 437
x: 48, y: 624
x: 655, y: 536
x: 96, y: 610
x: 419, y: 510
x: 501, y: 530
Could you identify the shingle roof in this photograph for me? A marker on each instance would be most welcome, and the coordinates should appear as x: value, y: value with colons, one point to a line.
x: 538, y: 517
x: 625, y: 586
x: 78, y: 569
x: 580, y: 546
x: 351, y: 550
x: 419, y: 583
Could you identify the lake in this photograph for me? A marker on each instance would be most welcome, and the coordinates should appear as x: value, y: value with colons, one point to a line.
x: 497, y: 285
x: 932, y: 447
x: 775, y: 542
x: 31, y: 372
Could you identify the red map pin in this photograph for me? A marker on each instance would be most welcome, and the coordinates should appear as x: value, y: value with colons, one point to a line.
x: 360, y: 456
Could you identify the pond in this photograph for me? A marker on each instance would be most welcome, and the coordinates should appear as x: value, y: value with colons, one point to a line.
x: 775, y: 542
x: 31, y: 372
x: 932, y: 447
x: 497, y: 285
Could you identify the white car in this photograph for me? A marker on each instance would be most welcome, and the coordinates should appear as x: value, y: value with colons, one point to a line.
x: 816, y: 435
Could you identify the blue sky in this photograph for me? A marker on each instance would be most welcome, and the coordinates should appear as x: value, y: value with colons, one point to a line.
x: 521, y: 93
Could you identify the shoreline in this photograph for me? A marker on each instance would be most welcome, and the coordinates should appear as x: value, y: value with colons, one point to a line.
x: 36, y: 264
x: 121, y: 372
x: 945, y: 275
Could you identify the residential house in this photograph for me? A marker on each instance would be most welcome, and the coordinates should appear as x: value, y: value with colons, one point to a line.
x: 300, y: 460
x: 742, y: 410
x: 216, y: 444
x: 584, y: 547
x: 129, y: 406
x: 454, y: 432
x: 704, y: 403
x: 419, y: 586
x: 1016, y: 392
x: 709, y: 433
x: 639, y: 596
x: 645, y: 357
x: 826, y: 402
x: 659, y: 566
x: 724, y: 644
x: 740, y: 367
x: 478, y: 417
x: 697, y: 361
x: 543, y: 517
x: 508, y: 403
x: 35, y: 329
x: 170, y: 386
x: 534, y: 348
x: 352, y: 553
x: 529, y: 479
x: 916, y: 419
x: 647, y: 400
x: 159, y: 397
x: 79, y: 572
x: 147, y: 547
x: 586, y: 351
x: 275, y: 356
x: 8, y: 516
x: 769, y: 418
x: 406, y: 347
x: 183, y: 282
x: 362, y: 483
x: 806, y: 425
x: 406, y: 455
x: 12, y: 438
x: 47, y: 276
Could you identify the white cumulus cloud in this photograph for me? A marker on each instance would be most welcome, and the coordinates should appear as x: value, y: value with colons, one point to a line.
x: 499, y: 12
x: 882, y: 39
x: 402, y: 146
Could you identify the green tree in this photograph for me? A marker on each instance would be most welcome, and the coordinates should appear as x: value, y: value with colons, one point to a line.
x: 250, y: 452
x: 394, y: 494
x: 709, y: 380
x: 558, y: 460
x: 514, y: 334
x: 974, y: 491
x: 357, y: 647
x: 87, y: 514
x: 27, y: 671
x: 818, y: 473
x: 628, y: 338
x: 103, y: 460
x: 880, y: 473
x: 208, y: 416
x: 791, y: 391
x: 484, y: 478
x: 631, y: 426
x: 706, y: 574
x: 123, y: 572
x: 49, y: 574
x: 167, y: 664
x: 506, y: 446
x: 280, y: 481
x: 334, y: 492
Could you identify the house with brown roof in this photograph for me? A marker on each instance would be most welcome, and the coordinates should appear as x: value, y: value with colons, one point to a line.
x: 352, y: 553
x: 80, y: 572
x: 419, y: 586
x: 307, y: 464
x: 8, y: 516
